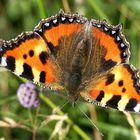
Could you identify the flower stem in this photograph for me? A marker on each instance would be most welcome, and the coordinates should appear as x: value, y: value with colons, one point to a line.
x: 75, y: 127
x: 41, y: 8
x: 98, y: 10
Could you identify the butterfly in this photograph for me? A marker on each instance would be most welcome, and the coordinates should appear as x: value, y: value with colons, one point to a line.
x: 86, y: 58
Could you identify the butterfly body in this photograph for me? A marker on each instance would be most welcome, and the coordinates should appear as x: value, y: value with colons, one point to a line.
x: 79, y: 58
x: 87, y: 58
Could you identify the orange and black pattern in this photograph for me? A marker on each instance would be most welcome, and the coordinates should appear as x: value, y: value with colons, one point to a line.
x: 28, y: 57
x: 120, y: 89
x: 87, y: 58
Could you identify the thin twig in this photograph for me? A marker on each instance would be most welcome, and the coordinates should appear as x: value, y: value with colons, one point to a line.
x: 98, y: 10
x: 133, y: 125
x: 75, y: 127
x: 41, y: 8
x: 93, y: 115
x: 66, y: 6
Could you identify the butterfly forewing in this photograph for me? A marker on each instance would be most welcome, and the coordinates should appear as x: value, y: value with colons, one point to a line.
x: 54, y: 28
x: 112, y: 40
x: 28, y: 56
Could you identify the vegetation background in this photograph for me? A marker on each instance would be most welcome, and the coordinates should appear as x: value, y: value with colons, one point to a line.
x: 68, y: 123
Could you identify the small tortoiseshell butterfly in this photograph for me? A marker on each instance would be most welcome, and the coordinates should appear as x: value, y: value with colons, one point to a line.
x: 87, y: 58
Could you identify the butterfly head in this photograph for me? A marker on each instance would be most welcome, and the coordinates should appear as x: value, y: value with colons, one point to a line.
x: 73, y: 98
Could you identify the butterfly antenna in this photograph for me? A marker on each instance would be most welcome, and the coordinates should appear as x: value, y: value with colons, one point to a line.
x: 60, y: 107
x: 89, y: 119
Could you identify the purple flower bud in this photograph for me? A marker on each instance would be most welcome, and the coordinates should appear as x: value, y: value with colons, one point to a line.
x: 27, y: 95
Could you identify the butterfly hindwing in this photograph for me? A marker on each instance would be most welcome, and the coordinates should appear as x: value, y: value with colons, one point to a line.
x: 28, y: 56
x: 120, y: 89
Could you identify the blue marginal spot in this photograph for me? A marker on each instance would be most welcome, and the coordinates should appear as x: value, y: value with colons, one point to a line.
x: 1, y: 50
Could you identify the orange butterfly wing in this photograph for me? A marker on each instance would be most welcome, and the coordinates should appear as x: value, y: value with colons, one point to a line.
x: 119, y: 89
x: 56, y: 27
x: 28, y: 56
x: 112, y: 40
x: 31, y: 55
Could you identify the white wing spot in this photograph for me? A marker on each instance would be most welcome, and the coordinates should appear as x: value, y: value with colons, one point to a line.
x: 106, y: 29
x: 55, y: 21
x: 118, y: 38
x: 122, y: 45
x: 78, y: 20
x: 113, y: 32
x: 98, y: 25
x: 3, y: 61
x: 63, y: 18
x: 137, y: 108
x: 71, y: 19
x: 47, y: 24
